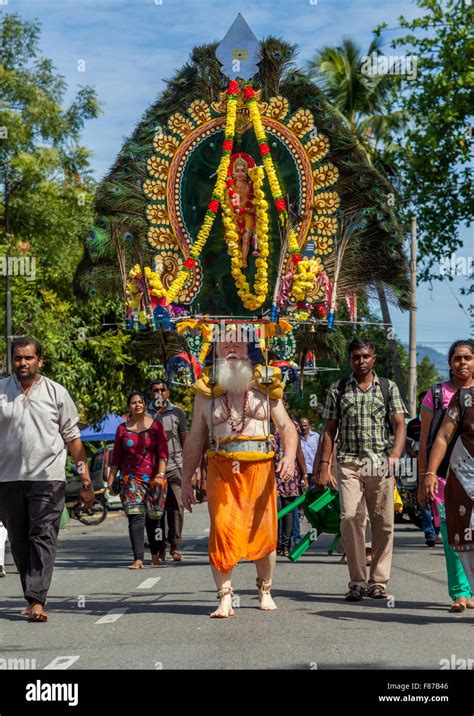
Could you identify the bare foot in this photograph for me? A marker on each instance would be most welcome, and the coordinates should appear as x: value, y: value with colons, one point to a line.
x: 224, y: 609
x: 156, y: 559
x: 138, y: 564
x: 264, y: 597
x: 37, y: 613
x: 25, y: 612
x: 266, y: 603
x: 470, y: 603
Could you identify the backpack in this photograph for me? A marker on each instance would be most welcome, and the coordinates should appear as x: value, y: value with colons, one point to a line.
x: 438, y: 415
x: 384, y: 387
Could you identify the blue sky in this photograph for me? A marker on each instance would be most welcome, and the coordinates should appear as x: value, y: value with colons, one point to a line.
x: 130, y: 46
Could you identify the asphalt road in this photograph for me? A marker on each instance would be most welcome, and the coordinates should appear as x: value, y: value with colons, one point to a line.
x: 102, y: 615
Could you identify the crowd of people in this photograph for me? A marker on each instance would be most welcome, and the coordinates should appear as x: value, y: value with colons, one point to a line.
x: 251, y: 459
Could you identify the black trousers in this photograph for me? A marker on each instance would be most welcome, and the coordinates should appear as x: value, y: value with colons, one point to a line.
x: 31, y: 512
x: 286, y: 522
x: 136, y: 523
x: 174, y: 512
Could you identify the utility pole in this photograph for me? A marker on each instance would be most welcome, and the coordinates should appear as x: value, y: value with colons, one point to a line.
x: 391, y: 343
x: 8, y: 294
x: 412, y: 402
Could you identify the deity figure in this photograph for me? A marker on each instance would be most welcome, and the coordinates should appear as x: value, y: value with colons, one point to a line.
x: 242, y: 201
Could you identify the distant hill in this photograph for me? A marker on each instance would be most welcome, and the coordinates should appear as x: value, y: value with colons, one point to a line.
x: 439, y: 360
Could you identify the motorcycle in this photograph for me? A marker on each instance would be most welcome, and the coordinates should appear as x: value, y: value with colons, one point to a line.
x: 97, y: 512
x: 407, y: 485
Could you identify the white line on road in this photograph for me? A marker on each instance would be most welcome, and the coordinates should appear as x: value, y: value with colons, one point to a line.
x: 62, y: 662
x: 207, y: 530
x: 148, y: 583
x: 112, y: 616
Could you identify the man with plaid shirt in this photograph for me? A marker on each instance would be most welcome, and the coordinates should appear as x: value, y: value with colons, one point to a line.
x: 357, y: 411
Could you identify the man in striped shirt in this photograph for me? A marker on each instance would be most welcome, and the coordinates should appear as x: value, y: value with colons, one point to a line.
x: 363, y: 411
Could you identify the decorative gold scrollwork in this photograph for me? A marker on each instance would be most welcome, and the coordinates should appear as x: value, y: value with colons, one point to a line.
x: 301, y: 122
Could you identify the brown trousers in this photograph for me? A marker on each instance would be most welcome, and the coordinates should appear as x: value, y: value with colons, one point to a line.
x: 355, y: 487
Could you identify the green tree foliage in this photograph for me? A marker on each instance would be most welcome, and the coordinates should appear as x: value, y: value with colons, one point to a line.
x: 434, y: 149
x: 46, y: 204
x: 426, y: 375
x: 361, y: 100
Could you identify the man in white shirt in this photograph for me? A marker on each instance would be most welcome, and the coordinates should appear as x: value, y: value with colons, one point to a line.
x: 309, y: 440
x: 37, y: 420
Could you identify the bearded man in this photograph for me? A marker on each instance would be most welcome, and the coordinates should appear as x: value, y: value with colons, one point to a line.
x: 233, y: 417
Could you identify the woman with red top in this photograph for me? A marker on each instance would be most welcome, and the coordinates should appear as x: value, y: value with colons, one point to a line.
x: 140, y: 454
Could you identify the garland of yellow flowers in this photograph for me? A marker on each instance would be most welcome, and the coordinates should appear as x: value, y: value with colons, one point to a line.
x: 305, y: 278
x: 252, y: 301
x: 251, y: 101
x: 213, y: 207
x: 306, y: 269
x: 135, y: 293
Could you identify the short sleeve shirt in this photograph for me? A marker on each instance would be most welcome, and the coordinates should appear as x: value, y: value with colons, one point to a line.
x: 447, y: 393
x: 173, y: 420
x: 363, y: 432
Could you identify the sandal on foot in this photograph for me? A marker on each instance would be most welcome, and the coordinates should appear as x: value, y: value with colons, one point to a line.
x: 378, y: 592
x: 456, y: 606
x: 355, y: 593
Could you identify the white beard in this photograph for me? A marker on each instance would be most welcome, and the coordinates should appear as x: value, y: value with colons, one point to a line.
x: 234, y: 376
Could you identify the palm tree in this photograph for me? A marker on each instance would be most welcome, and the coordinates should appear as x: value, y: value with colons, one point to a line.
x: 361, y: 99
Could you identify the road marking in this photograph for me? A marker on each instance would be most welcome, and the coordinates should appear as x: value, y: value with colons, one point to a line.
x: 206, y: 531
x: 112, y: 616
x: 148, y: 583
x: 62, y: 662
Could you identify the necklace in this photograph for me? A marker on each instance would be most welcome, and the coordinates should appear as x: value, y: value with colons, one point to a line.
x: 234, y: 426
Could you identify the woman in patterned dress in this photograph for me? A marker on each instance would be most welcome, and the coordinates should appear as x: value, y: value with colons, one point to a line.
x: 140, y: 454
x: 458, y: 425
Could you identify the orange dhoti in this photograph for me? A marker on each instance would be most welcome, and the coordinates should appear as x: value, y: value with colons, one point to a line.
x: 242, y: 505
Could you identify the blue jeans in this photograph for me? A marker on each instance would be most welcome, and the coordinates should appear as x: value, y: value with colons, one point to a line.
x: 295, y: 533
x: 427, y: 524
